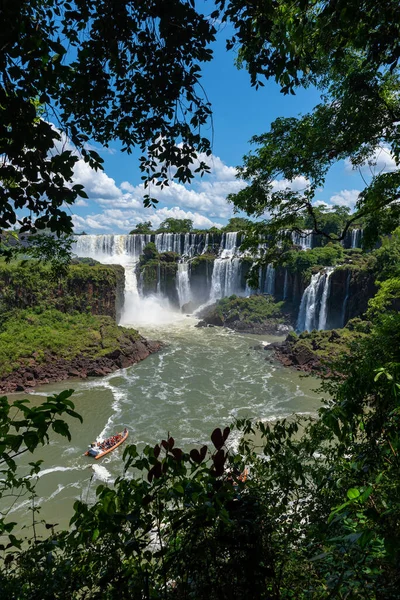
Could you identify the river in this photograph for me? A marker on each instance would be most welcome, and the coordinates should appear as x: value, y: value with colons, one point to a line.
x: 201, y: 379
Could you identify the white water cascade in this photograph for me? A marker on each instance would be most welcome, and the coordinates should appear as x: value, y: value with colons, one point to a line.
x: 269, y: 285
x: 323, y: 311
x: 313, y: 312
x: 226, y: 275
x: 304, y: 239
x: 183, y: 284
x: 356, y: 235
x: 346, y: 300
x: 125, y: 250
x: 285, y: 285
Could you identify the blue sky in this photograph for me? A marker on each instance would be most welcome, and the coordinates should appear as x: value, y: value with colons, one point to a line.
x: 239, y: 112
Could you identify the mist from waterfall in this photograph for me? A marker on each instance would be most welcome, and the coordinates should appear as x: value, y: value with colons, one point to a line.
x: 223, y: 276
x: 125, y: 250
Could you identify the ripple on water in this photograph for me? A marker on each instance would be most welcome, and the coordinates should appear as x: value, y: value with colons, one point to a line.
x: 202, y: 379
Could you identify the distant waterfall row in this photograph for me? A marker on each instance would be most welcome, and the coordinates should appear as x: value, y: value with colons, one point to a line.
x: 223, y: 272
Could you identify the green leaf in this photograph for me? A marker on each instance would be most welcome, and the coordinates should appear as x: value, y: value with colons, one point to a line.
x: 353, y: 493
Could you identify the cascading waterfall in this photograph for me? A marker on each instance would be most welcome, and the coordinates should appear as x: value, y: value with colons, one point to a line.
x: 225, y: 279
x: 125, y: 250
x: 183, y: 284
x: 269, y: 286
x: 226, y: 276
x: 206, y: 243
x: 313, y: 312
x: 285, y: 285
x: 346, y: 300
x: 356, y: 235
x: 323, y: 311
x: 304, y: 239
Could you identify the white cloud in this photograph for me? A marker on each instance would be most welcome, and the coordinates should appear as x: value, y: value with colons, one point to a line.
x: 345, y: 198
x: 382, y: 161
x: 298, y: 184
x: 111, y: 220
x: 97, y: 183
x: 81, y: 202
x: 204, y: 201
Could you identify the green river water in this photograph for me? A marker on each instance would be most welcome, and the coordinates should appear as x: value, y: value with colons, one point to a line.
x: 201, y: 379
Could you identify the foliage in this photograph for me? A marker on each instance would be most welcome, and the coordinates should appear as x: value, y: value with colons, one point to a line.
x: 171, y: 225
x: 316, y: 350
x: 237, y: 224
x: 85, y: 287
x: 254, y: 309
x: 357, y: 75
x: 143, y: 228
x: 35, y: 336
x: 96, y: 69
x: 388, y: 257
x: 330, y: 221
x: 150, y: 252
x: 303, y: 262
x: 387, y: 298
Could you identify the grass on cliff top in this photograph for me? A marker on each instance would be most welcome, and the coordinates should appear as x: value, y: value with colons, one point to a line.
x: 254, y: 309
x: 329, y: 345
x: 30, y: 336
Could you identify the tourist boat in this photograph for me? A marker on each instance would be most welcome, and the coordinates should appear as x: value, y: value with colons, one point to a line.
x: 99, y: 449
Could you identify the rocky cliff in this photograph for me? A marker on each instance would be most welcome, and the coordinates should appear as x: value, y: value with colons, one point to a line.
x: 43, y: 347
x: 93, y: 288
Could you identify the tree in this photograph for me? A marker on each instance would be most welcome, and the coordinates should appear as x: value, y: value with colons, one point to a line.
x: 96, y: 69
x: 143, y: 227
x: 172, y: 225
x: 237, y: 224
x: 337, y: 48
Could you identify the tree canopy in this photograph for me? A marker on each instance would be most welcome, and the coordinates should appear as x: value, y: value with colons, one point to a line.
x: 101, y: 72
x: 143, y: 227
x: 350, y: 52
x: 171, y: 225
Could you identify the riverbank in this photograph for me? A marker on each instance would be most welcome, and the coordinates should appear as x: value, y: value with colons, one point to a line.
x: 317, y: 351
x: 50, y: 346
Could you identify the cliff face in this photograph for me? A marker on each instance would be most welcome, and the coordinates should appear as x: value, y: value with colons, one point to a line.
x: 201, y: 269
x: 97, y: 289
x: 350, y: 291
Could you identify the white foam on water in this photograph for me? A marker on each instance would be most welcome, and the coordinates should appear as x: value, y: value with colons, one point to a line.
x: 55, y: 470
x: 102, y: 473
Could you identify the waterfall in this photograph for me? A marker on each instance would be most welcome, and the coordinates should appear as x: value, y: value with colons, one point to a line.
x: 304, y: 239
x: 285, y: 285
x: 346, y: 300
x: 313, y: 310
x: 168, y: 242
x: 125, y: 250
x: 356, y: 235
x: 183, y: 284
x: 226, y: 275
x: 206, y: 243
x: 323, y: 311
x: 229, y: 245
x: 225, y: 279
x: 269, y: 285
